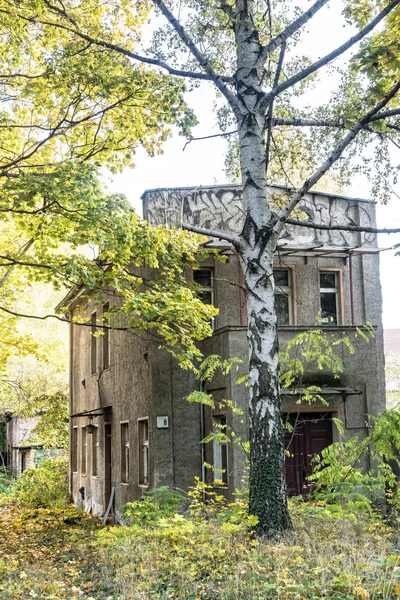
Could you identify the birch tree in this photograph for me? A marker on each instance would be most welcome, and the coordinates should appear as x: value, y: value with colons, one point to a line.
x: 248, y: 50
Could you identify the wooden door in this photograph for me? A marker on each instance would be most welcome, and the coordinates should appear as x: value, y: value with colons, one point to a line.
x: 107, y: 463
x: 312, y: 432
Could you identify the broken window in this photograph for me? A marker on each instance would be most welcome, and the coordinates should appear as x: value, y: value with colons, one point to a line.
x: 204, y: 278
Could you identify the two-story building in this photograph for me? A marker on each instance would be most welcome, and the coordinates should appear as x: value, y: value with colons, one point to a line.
x: 131, y: 427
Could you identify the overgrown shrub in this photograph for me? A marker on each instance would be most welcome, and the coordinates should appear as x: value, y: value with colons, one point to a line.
x: 156, y: 504
x: 5, y: 480
x: 46, y: 486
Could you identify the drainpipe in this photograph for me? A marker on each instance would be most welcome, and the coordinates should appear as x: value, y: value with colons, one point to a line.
x: 351, y: 288
x: 203, y: 435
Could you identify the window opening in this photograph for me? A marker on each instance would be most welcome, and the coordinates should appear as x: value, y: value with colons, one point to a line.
x: 204, y: 278
x: 74, y: 450
x: 106, y: 337
x: 220, y: 450
x: 95, y: 446
x: 144, y: 452
x: 283, y: 296
x: 83, y: 451
x: 124, y: 452
x: 93, y: 343
x: 328, y: 282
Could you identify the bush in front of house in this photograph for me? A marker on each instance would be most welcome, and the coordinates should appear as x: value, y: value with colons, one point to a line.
x: 43, y: 487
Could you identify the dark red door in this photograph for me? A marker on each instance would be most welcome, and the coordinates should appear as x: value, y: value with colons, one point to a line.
x: 312, y: 432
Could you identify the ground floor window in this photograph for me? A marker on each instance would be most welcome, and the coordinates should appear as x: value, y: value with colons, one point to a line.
x: 95, y: 445
x: 74, y: 450
x: 125, y: 447
x: 83, y: 451
x: 143, y: 451
x: 220, y: 449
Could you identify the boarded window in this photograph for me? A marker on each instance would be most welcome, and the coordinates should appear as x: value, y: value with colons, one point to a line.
x: 124, y: 452
x: 143, y: 452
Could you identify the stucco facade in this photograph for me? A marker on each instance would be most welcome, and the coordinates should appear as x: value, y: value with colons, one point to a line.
x: 146, y: 434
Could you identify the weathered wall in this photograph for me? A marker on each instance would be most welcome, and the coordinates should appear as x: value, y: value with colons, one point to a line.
x: 123, y: 386
x: 221, y: 208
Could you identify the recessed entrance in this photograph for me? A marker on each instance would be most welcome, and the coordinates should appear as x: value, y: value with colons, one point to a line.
x: 312, y: 432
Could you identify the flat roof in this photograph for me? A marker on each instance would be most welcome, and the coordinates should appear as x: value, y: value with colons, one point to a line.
x: 272, y: 185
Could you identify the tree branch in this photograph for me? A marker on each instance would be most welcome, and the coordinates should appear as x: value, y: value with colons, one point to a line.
x: 271, y: 106
x: 356, y: 228
x: 291, y: 29
x: 208, y: 137
x: 305, y: 122
x: 329, y: 57
x: 199, y: 56
x: 336, y: 154
x: 232, y: 239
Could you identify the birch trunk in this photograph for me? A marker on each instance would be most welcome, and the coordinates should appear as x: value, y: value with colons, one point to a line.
x: 259, y: 238
x: 268, y: 500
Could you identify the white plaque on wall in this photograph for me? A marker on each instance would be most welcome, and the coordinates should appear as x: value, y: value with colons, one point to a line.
x: 162, y: 422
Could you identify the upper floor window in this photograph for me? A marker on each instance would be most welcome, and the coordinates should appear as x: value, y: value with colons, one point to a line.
x: 204, y: 278
x: 283, y: 296
x: 329, y: 297
x: 93, y: 343
x: 106, y: 336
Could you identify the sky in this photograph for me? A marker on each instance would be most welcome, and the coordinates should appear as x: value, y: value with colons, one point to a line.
x: 202, y: 162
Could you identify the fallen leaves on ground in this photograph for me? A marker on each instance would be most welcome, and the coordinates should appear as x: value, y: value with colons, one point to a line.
x: 46, y: 554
